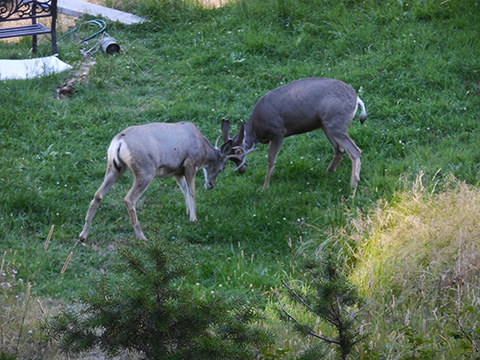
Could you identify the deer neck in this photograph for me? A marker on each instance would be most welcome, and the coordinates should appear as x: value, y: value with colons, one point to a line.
x: 250, y: 137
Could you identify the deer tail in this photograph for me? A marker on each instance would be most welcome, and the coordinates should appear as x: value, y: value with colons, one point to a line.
x: 114, y: 153
x: 363, y: 114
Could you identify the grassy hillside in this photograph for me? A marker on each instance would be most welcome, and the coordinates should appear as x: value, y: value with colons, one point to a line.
x: 415, y: 64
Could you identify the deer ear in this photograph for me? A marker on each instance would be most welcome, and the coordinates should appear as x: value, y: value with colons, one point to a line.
x: 226, y: 148
x: 241, y: 135
x: 225, y: 129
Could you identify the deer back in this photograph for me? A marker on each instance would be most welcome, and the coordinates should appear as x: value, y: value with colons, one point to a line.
x: 162, y: 146
x: 300, y: 106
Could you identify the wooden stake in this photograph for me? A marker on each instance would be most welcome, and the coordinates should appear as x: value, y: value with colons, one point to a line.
x: 49, y: 237
x: 66, y: 262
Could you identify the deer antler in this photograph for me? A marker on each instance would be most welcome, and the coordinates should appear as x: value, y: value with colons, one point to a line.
x: 240, y: 156
x: 216, y: 142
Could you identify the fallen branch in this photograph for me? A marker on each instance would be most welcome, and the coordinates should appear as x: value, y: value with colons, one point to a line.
x: 68, y: 88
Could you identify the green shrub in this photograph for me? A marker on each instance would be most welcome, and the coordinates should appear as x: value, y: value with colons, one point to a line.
x: 146, y: 308
x: 332, y: 299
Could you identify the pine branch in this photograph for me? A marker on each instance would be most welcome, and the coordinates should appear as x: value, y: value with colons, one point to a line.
x: 469, y: 338
x: 132, y: 261
x: 299, y: 298
x: 310, y: 332
x: 354, y: 314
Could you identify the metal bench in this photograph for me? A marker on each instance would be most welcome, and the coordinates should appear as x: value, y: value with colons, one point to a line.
x: 16, y: 12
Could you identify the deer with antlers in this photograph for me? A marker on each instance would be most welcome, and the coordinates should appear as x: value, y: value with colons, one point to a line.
x: 162, y: 150
x: 298, y: 107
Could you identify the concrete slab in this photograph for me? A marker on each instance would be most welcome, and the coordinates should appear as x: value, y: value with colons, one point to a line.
x: 77, y: 8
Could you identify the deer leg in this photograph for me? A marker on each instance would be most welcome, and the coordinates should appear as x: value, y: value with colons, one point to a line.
x: 182, y: 183
x: 190, y: 173
x: 138, y: 188
x: 338, y: 154
x: 273, y: 149
x: 354, y: 153
x: 110, y: 178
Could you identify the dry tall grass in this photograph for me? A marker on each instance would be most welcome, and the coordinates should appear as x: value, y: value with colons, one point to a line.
x: 21, y: 315
x: 19, y: 312
x: 420, y: 265
x: 423, y: 241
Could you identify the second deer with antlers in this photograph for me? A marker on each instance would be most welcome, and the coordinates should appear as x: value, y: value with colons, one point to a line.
x: 302, y: 106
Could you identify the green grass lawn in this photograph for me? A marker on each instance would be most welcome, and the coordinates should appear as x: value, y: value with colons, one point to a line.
x: 415, y: 64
